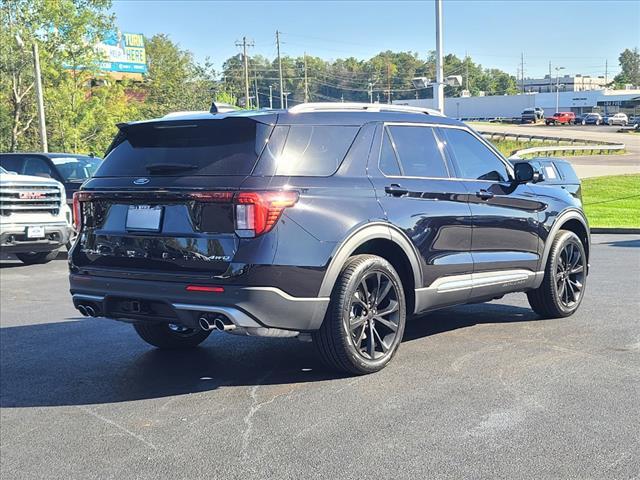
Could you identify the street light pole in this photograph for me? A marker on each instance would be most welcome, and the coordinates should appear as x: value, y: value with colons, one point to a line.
x: 439, y: 86
x: 558, y: 87
x: 40, y: 95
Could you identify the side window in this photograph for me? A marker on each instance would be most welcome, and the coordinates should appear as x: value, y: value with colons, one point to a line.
x: 37, y: 167
x: 473, y: 158
x: 418, y: 151
x: 388, y: 160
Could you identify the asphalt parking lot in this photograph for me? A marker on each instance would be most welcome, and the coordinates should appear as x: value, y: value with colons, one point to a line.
x: 480, y: 391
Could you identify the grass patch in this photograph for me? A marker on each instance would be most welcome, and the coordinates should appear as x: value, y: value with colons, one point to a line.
x: 612, y: 201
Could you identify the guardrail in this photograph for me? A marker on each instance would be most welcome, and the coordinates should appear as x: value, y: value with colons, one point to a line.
x: 539, y: 138
x: 566, y: 148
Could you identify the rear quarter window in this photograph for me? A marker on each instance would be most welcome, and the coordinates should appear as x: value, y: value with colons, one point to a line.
x: 306, y: 150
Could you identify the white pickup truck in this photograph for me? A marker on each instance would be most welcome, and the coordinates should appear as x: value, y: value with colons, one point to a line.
x: 35, y: 220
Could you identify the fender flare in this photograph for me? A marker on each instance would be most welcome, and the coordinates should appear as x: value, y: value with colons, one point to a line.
x: 370, y: 231
x: 564, y: 217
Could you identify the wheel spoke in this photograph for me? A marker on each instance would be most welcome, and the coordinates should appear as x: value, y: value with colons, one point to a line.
x: 355, y: 323
x: 361, y: 337
x: 367, y: 296
x: 393, y: 307
x: 384, y: 346
x: 561, y: 289
x: 374, y: 301
x: 384, y: 292
x: 578, y: 269
x: 371, y: 345
x: 576, y: 285
x: 387, y: 323
x: 358, y: 300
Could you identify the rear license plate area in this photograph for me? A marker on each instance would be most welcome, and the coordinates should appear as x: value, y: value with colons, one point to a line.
x: 144, y: 218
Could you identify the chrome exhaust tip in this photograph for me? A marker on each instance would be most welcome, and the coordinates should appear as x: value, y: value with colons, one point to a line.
x: 91, y: 311
x: 205, y: 324
x: 83, y: 310
x: 223, y: 324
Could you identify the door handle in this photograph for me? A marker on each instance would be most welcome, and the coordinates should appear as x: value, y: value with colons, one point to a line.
x: 396, y: 190
x: 484, y: 194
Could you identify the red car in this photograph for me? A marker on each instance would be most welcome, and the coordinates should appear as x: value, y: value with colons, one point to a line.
x: 561, y: 117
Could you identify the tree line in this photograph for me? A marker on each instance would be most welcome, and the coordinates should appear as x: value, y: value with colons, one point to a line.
x: 83, y: 104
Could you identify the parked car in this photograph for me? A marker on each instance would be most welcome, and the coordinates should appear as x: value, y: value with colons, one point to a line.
x: 567, y: 118
x: 592, y: 119
x: 35, y: 220
x: 532, y: 115
x: 330, y: 222
x: 69, y: 169
x: 616, y: 119
x: 634, y: 121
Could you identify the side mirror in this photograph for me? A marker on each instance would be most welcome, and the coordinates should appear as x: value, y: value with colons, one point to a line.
x: 524, y: 172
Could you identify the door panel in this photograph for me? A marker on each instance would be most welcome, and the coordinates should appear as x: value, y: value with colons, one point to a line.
x: 432, y: 212
x: 505, y: 234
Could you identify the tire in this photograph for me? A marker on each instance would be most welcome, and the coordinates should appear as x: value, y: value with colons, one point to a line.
x: 37, y: 257
x: 560, y: 294
x: 166, y: 336
x: 340, y: 341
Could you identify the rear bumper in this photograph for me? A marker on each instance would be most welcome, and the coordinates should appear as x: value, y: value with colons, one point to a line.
x: 13, y: 238
x: 245, y: 306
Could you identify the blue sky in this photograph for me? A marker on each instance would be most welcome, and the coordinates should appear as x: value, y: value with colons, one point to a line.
x: 579, y: 35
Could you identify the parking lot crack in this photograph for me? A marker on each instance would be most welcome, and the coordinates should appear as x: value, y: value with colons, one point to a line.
x: 119, y: 427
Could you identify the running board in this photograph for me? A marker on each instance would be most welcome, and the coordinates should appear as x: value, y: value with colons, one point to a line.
x: 458, y: 289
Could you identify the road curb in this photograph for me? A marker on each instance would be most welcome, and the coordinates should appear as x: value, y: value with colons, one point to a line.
x: 616, y: 230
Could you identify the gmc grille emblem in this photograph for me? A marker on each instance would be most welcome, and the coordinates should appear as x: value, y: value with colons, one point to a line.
x: 31, y: 195
x: 141, y: 181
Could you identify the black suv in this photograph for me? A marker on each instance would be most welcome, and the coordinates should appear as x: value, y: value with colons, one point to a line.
x: 333, y: 222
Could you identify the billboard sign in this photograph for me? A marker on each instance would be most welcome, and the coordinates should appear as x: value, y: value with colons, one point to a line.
x: 123, y: 52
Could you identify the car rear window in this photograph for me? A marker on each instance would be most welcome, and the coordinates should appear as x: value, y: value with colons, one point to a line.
x: 306, y: 150
x: 229, y: 146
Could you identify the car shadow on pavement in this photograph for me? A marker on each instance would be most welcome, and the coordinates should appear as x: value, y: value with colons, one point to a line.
x: 94, y: 361
x: 624, y: 243
x: 10, y: 261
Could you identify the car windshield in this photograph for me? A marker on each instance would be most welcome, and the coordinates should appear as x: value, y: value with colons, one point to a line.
x: 76, y: 168
x: 2, y: 170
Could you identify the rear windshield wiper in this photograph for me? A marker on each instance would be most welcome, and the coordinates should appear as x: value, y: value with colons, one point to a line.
x: 170, y: 167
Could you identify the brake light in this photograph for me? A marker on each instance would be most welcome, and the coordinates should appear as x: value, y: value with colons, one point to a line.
x: 77, y: 214
x: 257, y: 212
x: 204, y: 288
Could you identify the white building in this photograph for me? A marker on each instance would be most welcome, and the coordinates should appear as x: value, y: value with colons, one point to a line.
x: 603, y: 101
x: 565, y: 83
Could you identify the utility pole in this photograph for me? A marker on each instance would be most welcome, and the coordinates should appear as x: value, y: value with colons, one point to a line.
x: 550, y: 79
x: 606, y: 72
x: 522, y: 71
x: 370, y: 92
x: 280, y: 69
x: 244, y: 46
x: 466, y: 74
x: 255, y: 80
x: 271, y: 96
x: 558, y: 87
x: 306, y: 80
x: 40, y: 96
x: 389, y: 81
x: 439, y: 86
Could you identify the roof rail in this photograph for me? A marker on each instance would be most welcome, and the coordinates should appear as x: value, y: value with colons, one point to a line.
x: 368, y: 107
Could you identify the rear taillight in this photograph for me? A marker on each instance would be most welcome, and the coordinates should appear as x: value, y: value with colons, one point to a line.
x: 77, y: 213
x: 257, y: 212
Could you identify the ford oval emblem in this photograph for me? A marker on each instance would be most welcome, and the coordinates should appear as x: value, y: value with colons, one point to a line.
x: 141, y: 181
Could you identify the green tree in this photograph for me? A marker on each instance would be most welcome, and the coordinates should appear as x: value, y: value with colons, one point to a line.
x: 630, y: 65
x: 65, y: 31
x: 175, y: 81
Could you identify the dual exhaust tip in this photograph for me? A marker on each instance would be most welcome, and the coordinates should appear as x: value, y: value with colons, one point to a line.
x: 88, y: 310
x: 217, y: 322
